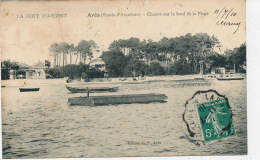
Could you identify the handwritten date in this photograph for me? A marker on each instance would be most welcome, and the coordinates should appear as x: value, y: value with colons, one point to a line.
x: 224, y: 15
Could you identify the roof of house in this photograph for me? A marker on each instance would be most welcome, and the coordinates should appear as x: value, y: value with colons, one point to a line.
x: 39, y: 65
x: 162, y: 63
x: 97, y: 61
x: 24, y: 66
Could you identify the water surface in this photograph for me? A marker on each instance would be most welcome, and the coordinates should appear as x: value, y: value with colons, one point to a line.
x: 42, y: 125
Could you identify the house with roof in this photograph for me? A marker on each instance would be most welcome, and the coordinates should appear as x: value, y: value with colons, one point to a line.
x: 162, y: 63
x: 36, y: 72
x: 98, y: 63
x: 218, y: 70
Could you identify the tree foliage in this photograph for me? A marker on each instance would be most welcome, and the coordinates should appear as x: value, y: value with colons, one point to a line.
x: 60, y: 52
x: 115, y: 62
x: 237, y: 55
x: 134, y: 57
x: 6, y: 66
x: 185, y: 53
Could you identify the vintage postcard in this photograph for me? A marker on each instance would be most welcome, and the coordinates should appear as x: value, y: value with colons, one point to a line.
x: 121, y: 78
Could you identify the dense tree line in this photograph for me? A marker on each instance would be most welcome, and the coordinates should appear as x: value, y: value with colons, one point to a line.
x: 75, y: 71
x: 188, y: 54
x: 181, y: 55
x: 69, y: 60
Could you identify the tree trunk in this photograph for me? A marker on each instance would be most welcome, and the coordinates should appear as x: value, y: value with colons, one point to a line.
x: 66, y: 56
x: 234, y: 68
x: 60, y: 60
x: 77, y: 58
x: 70, y: 57
x: 63, y: 61
x: 57, y: 60
x: 195, y: 66
x: 54, y: 60
x: 80, y: 58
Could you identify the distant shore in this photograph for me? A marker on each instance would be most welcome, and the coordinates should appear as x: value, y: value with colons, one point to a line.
x: 59, y: 81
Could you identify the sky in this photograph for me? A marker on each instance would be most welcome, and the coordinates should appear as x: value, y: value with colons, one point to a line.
x: 27, y: 32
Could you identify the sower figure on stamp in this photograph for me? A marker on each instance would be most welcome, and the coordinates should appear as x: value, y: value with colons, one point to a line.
x: 214, y: 120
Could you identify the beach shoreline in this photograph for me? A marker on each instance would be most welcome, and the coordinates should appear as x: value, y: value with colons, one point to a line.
x: 118, y: 80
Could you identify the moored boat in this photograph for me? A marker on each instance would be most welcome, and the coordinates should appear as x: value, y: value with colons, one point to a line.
x: 92, y: 89
x: 27, y: 89
x: 117, y: 99
x: 199, y: 78
x: 230, y: 78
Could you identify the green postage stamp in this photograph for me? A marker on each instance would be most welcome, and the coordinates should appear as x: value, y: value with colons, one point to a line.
x: 215, y: 120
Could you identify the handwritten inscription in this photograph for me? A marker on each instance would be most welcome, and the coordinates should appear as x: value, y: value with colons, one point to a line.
x: 224, y: 15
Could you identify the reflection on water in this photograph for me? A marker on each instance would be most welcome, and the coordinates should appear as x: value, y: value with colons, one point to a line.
x: 41, y: 124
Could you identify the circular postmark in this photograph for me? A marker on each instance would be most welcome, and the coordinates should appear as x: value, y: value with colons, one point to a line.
x: 207, y: 117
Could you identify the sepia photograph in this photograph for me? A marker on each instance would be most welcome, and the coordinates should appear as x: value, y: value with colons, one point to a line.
x: 137, y: 78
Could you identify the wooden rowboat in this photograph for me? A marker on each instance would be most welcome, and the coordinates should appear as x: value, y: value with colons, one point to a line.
x: 199, y: 78
x: 92, y: 89
x: 117, y: 99
x: 29, y: 89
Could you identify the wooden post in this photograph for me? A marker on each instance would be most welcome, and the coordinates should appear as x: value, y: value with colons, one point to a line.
x: 88, y: 93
